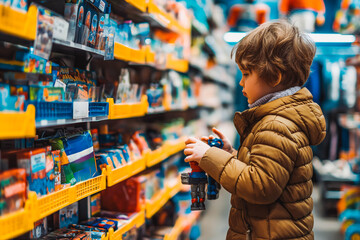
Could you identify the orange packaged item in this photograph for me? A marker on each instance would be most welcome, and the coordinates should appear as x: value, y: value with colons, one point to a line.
x: 57, y: 169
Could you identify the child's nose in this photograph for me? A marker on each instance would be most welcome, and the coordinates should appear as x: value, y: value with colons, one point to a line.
x: 241, y: 82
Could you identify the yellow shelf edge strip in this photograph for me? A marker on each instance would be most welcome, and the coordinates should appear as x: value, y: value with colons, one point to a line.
x: 125, y: 53
x: 168, y: 149
x: 139, y: 4
x: 160, y: 199
x: 125, y: 171
x: 136, y: 221
x: 127, y: 110
x: 48, y: 204
x: 19, y: 222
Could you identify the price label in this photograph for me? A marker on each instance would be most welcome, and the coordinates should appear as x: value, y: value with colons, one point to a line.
x: 61, y: 28
x: 80, y: 110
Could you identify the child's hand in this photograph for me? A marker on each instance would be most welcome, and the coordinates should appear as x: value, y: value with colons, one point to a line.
x: 194, y: 149
x: 227, y: 145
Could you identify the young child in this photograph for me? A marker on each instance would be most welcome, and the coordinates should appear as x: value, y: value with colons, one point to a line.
x: 269, y: 177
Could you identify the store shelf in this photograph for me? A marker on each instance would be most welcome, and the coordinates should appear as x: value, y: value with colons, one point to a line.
x: 159, y: 200
x: 136, y: 221
x: 68, y: 47
x: 139, y: 4
x: 199, y: 29
x: 18, y: 24
x: 149, y: 56
x: 169, y: 148
x: 11, y: 65
x: 118, y: 175
x: 124, y: 53
x: 18, y: 124
x: 165, y: 20
x: 181, y: 224
x: 46, y: 205
x: 17, y: 223
x: 127, y: 110
x: 61, y: 122
x: 349, y: 121
x: 179, y: 65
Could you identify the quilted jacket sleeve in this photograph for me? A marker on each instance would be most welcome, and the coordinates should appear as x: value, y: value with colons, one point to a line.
x: 272, y: 158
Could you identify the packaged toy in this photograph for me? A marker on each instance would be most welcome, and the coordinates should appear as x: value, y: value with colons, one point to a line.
x: 50, y: 171
x: 95, y: 232
x: 95, y: 139
x: 68, y: 234
x: 70, y: 15
x: 57, y: 169
x: 116, y: 198
x: 95, y: 204
x: 67, y: 175
x: 101, y: 223
x: 8, y: 102
x: 102, y: 161
x: 40, y: 229
x: 80, y: 152
x: 12, y: 190
x: 67, y: 215
x: 34, y: 162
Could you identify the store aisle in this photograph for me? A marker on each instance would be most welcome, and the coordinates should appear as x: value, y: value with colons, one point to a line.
x: 325, y: 228
x: 214, y: 223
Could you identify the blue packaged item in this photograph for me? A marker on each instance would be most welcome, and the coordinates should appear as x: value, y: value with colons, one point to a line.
x: 80, y: 152
x: 102, y: 161
x: 34, y: 162
x: 8, y: 102
x: 79, y: 22
x: 19, y: 5
x: 125, y: 152
x: 116, y: 157
x: 93, y: 24
x: 69, y: 215
x: 102, y: 223
x: 107, y: 140
x: 96, y: 232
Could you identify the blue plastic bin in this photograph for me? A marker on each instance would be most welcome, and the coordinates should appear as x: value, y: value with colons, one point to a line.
x: 52, y: 110
x: 98, y: 109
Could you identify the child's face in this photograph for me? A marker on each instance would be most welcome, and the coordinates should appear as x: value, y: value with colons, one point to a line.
x: 253, y: 86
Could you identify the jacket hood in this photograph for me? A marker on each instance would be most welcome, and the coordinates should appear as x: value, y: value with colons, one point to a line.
x: 298, y: 108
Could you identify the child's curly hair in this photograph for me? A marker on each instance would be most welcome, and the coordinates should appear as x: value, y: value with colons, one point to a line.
x: 276, y: 49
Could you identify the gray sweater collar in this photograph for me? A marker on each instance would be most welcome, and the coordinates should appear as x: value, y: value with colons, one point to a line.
x: 273, y: 96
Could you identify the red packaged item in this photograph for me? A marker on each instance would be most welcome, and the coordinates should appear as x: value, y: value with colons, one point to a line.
x: 12, y: 190
x: 127, y: 196
x: 140, y: 141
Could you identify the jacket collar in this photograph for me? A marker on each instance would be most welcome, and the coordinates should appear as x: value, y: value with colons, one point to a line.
x: 244, y: 120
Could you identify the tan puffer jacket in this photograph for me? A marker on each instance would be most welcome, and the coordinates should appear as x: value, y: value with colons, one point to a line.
x: 270, y: 179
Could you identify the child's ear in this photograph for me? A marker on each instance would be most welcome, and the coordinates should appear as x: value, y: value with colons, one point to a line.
x: 277, y: 81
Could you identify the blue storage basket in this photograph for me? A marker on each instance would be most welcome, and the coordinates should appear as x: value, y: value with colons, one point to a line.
x: 97, y: 109
x: 52, y: 110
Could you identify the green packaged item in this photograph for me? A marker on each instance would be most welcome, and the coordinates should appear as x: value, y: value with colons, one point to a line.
x: 67, y: 175
x: 48, y: 94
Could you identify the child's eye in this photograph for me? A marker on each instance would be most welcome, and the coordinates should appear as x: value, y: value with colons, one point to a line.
x: 245, y: 74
